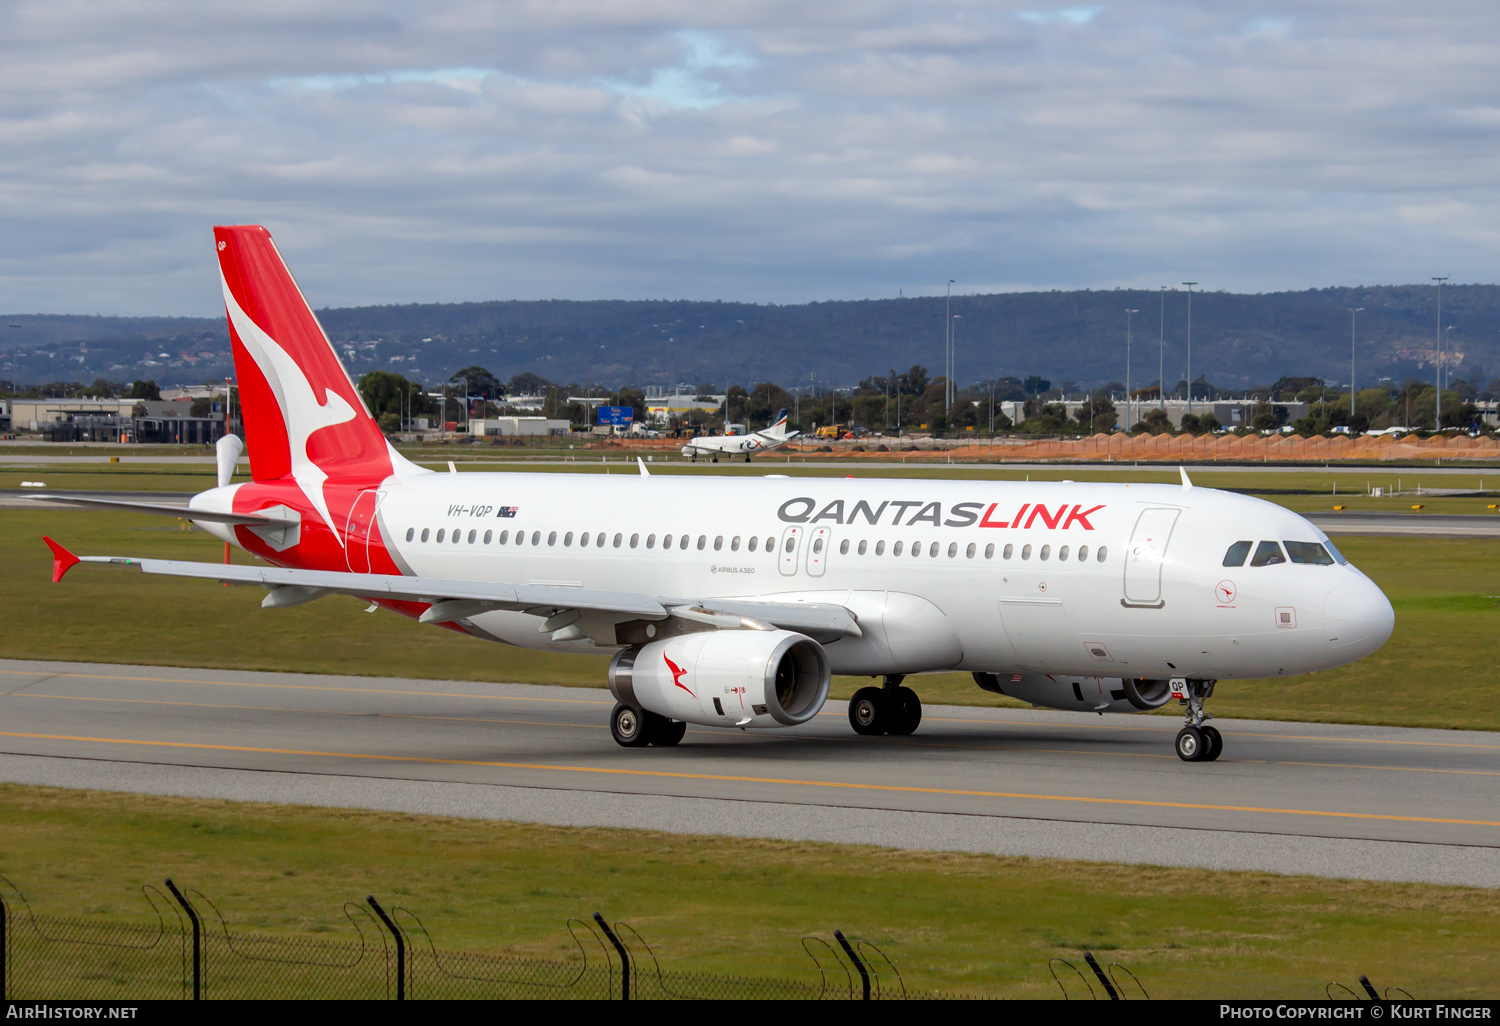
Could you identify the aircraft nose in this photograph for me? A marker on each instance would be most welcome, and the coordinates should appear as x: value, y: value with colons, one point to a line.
x: 1360, y: 616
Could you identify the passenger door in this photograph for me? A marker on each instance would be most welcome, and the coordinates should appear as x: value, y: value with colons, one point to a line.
x: 817, y: 551
x: 790, y: 539
x: 1145, y: 555
x: 357, y: 531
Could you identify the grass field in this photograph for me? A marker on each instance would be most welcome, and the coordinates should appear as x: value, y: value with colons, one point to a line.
x: 950, y: 922
x: 1435, y: 671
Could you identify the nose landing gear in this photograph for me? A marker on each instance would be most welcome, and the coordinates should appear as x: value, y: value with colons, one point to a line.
x: 889, y: 709
x: 1196, y: 741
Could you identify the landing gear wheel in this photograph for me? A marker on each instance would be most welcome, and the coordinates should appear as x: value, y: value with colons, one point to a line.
x: 747, y: 457
x: 905, y: 711
x: 665, y: 733
x: 867, y: 712
x: 716, y: 459
x: 1191, y: 745
x: 1214, y: 743
x: 628, y: 726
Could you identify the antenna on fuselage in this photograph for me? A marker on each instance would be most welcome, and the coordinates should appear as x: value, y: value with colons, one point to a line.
x: 1186, y: 481
x: 644, y: 471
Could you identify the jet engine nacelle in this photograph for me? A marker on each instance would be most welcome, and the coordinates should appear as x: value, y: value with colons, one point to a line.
x: 725, y: 678
x: 1079, y: 694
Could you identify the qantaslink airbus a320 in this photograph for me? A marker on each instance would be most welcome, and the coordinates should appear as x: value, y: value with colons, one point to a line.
x: 728, y: 601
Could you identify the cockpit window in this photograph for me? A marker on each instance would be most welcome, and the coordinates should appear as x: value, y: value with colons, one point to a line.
x: 1237, y: 554
x: 1335, y: 553
x: 1267, y: 553
x: 1308, y: 552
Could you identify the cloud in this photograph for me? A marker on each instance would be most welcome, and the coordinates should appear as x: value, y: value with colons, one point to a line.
x: 750, y: 150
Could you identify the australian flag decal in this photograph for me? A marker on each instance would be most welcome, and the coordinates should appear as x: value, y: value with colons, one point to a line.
x: 508, y: 511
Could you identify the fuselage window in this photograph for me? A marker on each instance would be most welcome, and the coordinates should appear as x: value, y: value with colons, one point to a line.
x: 844, y: 547
x: 1009, y: 551
x: 754, y: 542
x: 666, y: 541
x: 487, y: 536
x: 410, y: 533
x: 1335, y: 553
x: 718, y: 543
x: 791, y: 543
x: 583, y: 540
x: 424, y: 534
x: 896, y: 549
x: 916, y: 549
x: 682, y: 542
x: 734, y: 544
x: 1238, y: 553
x: 863, y: 545
x: 702, y: 541
x: 1025, y: 551
x: 1083, y: 553
x: 552, y: 537
x: 1062, y: 554
x: 989, y: 551
x: 880, y: 548
x: 953, y: 549
x: 504, y: 537
x: 770, y: 543
x: 969, y: 552
x: 536, y: 537
x: 1308, y: 552
x: 458, y: 536
x: 441, y: 532
x: 1103, y: 554
x: 817, y: 545
x: 1046, y: 551
x: 1267, y: 553
x: 568, y: 538
x: 472, y: 535
x: 650, y: 541
x: 599, y: 540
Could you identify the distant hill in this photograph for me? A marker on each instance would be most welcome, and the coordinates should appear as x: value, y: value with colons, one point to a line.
x: 1238, y: 340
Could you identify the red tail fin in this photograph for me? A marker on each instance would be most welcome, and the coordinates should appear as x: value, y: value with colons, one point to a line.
x: 303, y: 417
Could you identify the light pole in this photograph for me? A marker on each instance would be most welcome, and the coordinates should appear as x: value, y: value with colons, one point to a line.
x: 1127, y: 373
x: 954, y: 362
x: 1353, y: 312
x: 1161, y: 372
x: 1437, y: 409
x: 1190, y: 285
x: 948, y: 346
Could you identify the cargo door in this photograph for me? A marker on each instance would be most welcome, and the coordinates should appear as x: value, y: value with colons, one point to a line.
x: 1145, y: 556
x: 1035, y: 618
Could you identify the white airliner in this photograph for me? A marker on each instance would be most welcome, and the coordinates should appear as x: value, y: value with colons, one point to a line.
x: 715, y: 446
x: 729, y: 602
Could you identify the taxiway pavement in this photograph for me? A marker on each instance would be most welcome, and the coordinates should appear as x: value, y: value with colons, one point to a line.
x: 1322, y: 799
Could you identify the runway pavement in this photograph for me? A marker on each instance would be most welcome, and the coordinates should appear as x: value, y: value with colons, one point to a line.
x: 1329, y: 800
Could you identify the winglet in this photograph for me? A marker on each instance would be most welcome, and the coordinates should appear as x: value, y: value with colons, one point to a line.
x: 644, y: 471
x: 1186, y: 483
x: 62, y: 559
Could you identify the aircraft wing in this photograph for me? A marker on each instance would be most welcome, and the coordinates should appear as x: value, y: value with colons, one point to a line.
x: 450, y: 600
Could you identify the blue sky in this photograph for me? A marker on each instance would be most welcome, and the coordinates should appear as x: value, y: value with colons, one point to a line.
x: 762, y: 151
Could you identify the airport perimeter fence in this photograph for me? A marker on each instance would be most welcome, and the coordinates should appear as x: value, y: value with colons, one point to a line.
x: 192, y: 954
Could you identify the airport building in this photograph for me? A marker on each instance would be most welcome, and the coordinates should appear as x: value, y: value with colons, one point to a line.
x: 1230, y: 413
x: 117, y: 420
x: 519, y: 427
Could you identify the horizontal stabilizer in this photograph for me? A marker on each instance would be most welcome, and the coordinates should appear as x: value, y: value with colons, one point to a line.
x: 169, y: 510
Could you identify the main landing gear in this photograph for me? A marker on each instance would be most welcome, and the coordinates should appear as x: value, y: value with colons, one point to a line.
x: 1197, y: 741
x: 889, y: 709
x: 636, y: 728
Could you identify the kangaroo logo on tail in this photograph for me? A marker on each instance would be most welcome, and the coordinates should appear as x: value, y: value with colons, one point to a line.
x: 303, y: 417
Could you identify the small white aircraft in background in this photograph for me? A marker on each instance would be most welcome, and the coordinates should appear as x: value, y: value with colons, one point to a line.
x: 715, y: 446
